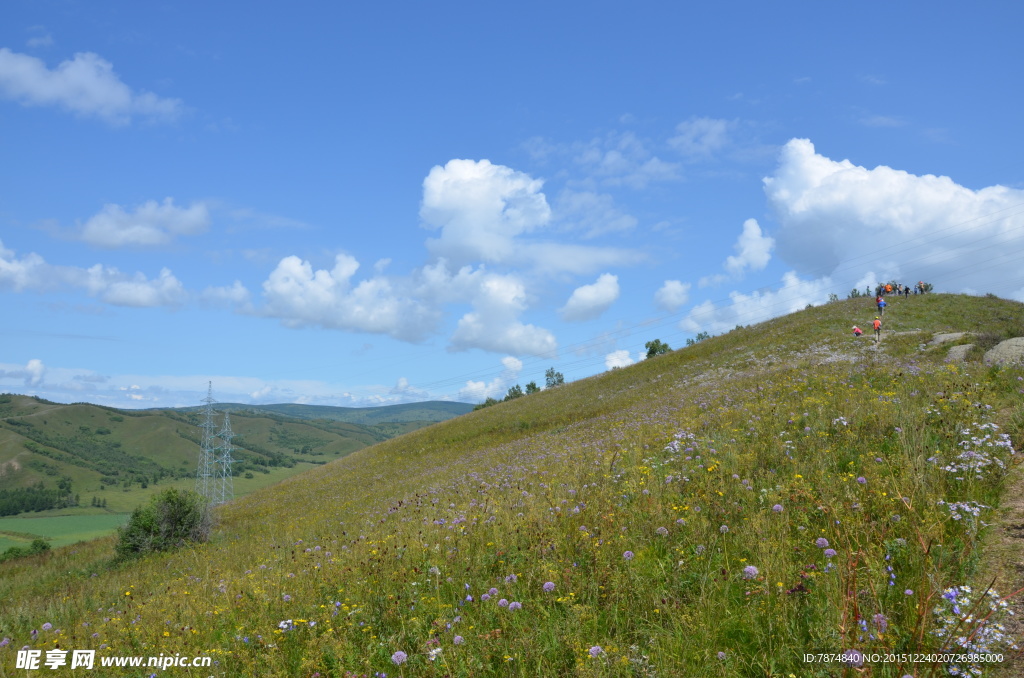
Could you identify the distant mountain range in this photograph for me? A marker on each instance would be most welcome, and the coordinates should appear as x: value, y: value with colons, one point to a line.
x: 430, y: 411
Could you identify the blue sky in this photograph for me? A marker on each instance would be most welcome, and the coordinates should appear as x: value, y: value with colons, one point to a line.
x: 392, y: 202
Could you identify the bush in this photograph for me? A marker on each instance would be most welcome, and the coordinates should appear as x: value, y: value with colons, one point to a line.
x: 171, y: 519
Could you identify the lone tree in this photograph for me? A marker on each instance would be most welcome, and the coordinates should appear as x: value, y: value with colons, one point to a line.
x: 552, y: 378
x: 171, y: 519
x: 656, y: 347
x: 532, y: 388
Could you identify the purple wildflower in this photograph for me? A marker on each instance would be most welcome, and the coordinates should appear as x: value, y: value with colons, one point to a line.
x: 286, y: 598
x: 493, y: 591
x: 821, y: 543
x: 777, y: 508
x: 663, y: 531
x: 47, y: 626
x: 628, y: 555
x: 503, y: 603
x: 909, y: 592
x: 721, y: 655
x: 511, y: 579
x: 458, y: 640
x: 750, y: 572
x: 399, y: 657
x: 549, y: 586
x: 515, y: 605
x: 469, y: 599
x: 485, y: 597
x: 829, y: 553
x: 881, y: 622
x: 5, y: 642
x: 862, y: 480
x: 595, y: 651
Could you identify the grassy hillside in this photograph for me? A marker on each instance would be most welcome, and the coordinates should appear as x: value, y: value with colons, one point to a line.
x: 717, y: 511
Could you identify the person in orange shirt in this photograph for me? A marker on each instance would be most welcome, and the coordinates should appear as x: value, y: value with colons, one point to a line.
x: 878, y: 329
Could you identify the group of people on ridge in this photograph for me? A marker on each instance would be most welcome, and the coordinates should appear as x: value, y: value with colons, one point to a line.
x: 880, y: 292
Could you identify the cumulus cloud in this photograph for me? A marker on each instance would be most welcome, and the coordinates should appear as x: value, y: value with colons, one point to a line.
x: 31, y: 272
x: 753, y: 249
x: 617, y: 359
x: 758, y: 306
x: 590, y: 301
x: 494, y: 326
x: 701, y: 137
x: 300, y: 296
x: 496, y: 388
x: 235, y: 295
x: 113, y: 287
x: 31, y: 374
x: 150, y: 224
x: 85, y: 84
x: 839, y: 219
x: 672, y: 295
x: 492, y: 214
x: 480, y: 208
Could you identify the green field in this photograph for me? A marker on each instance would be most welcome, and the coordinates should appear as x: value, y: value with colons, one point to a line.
x: 62, y: 530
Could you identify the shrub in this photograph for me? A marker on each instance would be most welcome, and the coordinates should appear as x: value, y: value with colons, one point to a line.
x: 171, y: 519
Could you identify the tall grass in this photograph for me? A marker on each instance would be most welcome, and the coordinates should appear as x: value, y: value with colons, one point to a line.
x: 718, y: 511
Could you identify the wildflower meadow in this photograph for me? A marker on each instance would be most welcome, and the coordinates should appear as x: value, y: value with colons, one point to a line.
x: 721, y: 510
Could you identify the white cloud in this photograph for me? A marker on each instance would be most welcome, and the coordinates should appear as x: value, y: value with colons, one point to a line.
x: 235, y: 295
x: 758, y: 306
x: 108, y: 284
x: 754, y: 249
x: 139, y: 291
x: 494, y: 324
x: 30, y: 375
x: 672, y: 295
x: 617, y: 359
x: 27, y: 273
x: 840, y: 219
x: 496, y: 388
x: 590, y: 301
x: 493, y: 214
x: 701, y: 137
x: 480, y: 208
x: 85, y: 84
x: 300, y: 296
x: 151, y: 224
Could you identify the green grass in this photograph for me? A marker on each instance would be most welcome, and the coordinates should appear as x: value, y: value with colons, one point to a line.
x: 67, y: 529
x: 333, y: 571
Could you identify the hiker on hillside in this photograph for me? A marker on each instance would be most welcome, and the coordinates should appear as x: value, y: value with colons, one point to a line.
x: 906, y: 291
x: 857, y: 331
x: 878, y: 329
x: 881, y: 306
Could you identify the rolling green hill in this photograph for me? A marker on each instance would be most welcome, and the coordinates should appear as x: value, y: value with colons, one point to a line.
x: 112, y: 460
x: 720, y: 510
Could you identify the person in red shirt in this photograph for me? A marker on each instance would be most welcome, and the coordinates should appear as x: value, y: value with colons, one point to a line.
x: 857, y: 331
